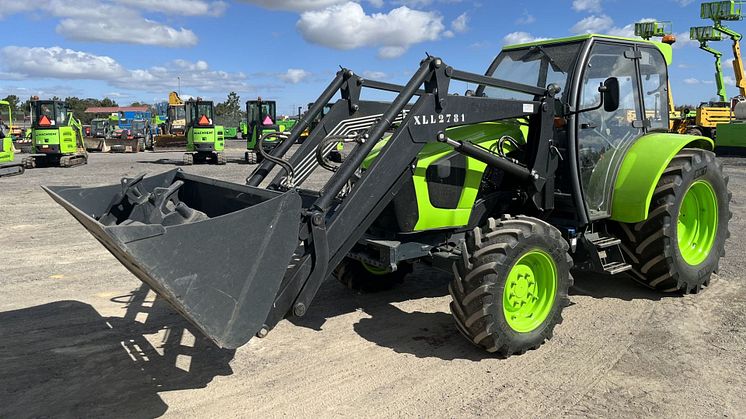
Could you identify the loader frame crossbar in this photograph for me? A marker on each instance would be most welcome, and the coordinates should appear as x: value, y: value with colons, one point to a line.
x: 331, y: 225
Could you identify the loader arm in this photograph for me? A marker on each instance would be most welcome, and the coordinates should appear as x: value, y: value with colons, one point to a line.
x: 333, y: 227
x: 273, y: 247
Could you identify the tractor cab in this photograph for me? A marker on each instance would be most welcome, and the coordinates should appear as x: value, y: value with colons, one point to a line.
x: 140, y: 128
x: 261, y: 119
x: 101, y: 128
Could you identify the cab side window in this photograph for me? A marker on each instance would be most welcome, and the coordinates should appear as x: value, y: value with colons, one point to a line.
x: 653, y: 70
x: 604, y: 137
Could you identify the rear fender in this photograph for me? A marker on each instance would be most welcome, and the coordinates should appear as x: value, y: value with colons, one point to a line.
x: 641, y: 170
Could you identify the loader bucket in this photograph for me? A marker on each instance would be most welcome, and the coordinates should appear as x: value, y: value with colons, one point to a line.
x: 216, y: 251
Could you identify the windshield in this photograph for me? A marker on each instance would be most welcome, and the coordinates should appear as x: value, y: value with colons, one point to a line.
x: 177, y: 112
x: 100, y: 124
x: 50, y: 114
x: 537, y: 66
x: 138, y: 125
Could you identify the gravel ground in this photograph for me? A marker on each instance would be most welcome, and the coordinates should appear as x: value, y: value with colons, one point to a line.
x: 81, y: 336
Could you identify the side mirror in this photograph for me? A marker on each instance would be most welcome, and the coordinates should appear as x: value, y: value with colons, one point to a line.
x: 610, y: 94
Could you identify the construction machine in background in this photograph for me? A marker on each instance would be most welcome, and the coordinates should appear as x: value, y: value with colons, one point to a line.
x: 261, y: 117
x: 173, y: 135
x: 205, y: 140
x: 730, y: 134
x: 506, y: 189
x: 57, y: 136
x: 7, y: 152
x: 312, y: 125
x: 127, y: 139
x: 101, y: 131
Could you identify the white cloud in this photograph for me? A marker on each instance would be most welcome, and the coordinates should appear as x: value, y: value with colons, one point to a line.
x: 62, y: 63
x: 143, y: 32
x: 593, y: 24
x: 525, y: 19
x: 461, y: 23
x: 627, y: 31
x: 683, y: 40
x: 347, y: 26
x: 295, y: 75
x: 376, y: 3
x: 691, y: 81
x: 296, y: 5
x: 520, y: 38
x: 375, y: 75
x: 590, y: 6
x: 119, y: 21
x: 180, y: 7
x: 57, y: 62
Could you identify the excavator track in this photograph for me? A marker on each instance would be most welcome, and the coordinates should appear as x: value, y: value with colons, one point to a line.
x: 13, y: 169
x: 74, y: 160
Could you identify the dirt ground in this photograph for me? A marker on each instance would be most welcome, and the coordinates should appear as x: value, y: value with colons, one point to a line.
x: 81, y: 336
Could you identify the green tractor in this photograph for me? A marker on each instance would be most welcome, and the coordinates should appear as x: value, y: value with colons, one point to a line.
x: 205, y: 140
x: 57, y: 137
x: 7, y: 151
x: 559, y: 160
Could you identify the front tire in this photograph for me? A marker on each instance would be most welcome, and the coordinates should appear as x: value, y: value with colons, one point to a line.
x: 511, y: 284
x: 359, y: 276
x: 680, y: 244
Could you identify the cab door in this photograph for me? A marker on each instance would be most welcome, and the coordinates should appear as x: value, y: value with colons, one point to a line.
x: 604, y: 137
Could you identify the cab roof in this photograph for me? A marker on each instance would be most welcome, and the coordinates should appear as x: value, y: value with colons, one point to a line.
x: 665, y: 49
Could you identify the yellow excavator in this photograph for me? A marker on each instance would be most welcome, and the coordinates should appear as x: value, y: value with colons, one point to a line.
x: 173, y: 133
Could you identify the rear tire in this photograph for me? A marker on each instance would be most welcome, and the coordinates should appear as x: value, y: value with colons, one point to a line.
x: 356, y: 275
x: 659, y: 258
x: 510, y: 285
x: 250, y: 157
x: 694, y: 131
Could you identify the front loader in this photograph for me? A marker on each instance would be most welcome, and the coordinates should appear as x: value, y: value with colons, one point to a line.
x: 205, y: 140
x: 507, y: 188
x: 101, y: 131
x: 57, y: 137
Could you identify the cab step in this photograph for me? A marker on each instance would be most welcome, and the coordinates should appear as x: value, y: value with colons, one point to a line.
x: 607, y: 256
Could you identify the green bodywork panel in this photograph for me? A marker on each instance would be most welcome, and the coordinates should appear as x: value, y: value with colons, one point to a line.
x: 283, y: 126
x: 484, y: 134
x: 641, y: 169
x: 231, y: 132
x: 7, y: 155
x: 215, y: 135
x: 6, y: 152
x: 664, y: 48
x: 731, y: 135
x: 62, y: 136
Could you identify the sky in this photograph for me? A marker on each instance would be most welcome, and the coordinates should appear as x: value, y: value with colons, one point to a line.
x: 289, y: 50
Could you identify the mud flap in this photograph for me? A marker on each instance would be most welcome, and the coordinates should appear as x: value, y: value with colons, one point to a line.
x: 219, y: 265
